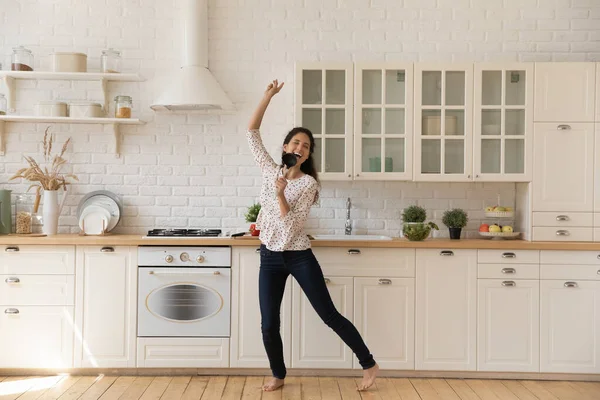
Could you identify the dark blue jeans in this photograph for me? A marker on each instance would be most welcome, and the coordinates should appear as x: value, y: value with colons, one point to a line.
x: 275, y: 267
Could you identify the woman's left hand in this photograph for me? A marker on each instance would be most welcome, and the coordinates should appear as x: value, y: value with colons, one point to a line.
x: 280, y: 185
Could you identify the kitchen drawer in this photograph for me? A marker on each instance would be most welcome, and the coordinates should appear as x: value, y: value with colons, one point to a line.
x: 366, y: 261
x: 37, y: 290
x: 508, y: 256
x: 37, y: 260
x: 596, y: 234
x: 563, y: 234
x: 571, y: 272
x: 503, y: 271
x: 188, y: 352
x: 563, y: 219
x: 597, y: 219
x: 573, y: 257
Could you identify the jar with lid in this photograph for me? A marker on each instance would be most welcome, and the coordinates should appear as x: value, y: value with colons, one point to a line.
x: 3, y: 105
x: 22, y: 59
x: 23, y: 214
x: 123, y: 105
x: 110, y: 61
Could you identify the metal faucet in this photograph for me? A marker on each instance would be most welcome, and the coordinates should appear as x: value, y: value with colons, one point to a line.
x: 348, y: 222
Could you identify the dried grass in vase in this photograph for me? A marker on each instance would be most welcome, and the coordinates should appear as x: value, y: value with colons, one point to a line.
x: 46, y: 179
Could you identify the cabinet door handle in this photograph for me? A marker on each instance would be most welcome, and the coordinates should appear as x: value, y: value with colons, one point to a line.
x: 508, y: 283
x: 509, y: 255
x: 327, y: 281
x: 562, y: 232
x: 11, y: 311
x: 385, y: 282
x: 446, y: 253
x: 12, y: 280
x: 257, y: 250
x: 508, y: 270
x: 562, y: 218
x: 563, y: 127
x: 107, y: 250
x: 353, y: 251
x: 11, y: 249
x: 570, y: 284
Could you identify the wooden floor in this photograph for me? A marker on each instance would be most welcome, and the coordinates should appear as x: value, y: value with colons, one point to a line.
x: 248, y: 388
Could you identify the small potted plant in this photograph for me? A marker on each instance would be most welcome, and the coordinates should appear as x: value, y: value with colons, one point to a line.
x: 455, y: 220
x: 251, y: 216
x: 414, y: 227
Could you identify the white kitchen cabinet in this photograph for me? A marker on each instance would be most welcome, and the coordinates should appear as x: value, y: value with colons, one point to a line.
x: 443, y: 104
x: 563, y: 173
x: 324, y: 104
x: 508, y: 325
x: 446, y: 310
x: 247, y: 349
x: 503, y: 122
x: 384, y: 314
x: 314, y: 344
x: 597, y: 176
x: 36, y: 336
x: 570, y: 326
x: 383, y: 112
x: 106, y: 307
x: 564, y: 91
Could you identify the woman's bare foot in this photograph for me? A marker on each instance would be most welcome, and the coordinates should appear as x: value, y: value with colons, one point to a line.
x: 273, y: 384
x: 368, y: 378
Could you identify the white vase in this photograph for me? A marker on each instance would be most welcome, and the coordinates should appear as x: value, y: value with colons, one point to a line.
x: 51, y: 211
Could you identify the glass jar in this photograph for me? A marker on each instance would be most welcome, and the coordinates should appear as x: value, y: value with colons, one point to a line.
x: 110, y: 61
x: 23, y: 214
x: 22, y: 59
x: 3, y: 105
x: 123, y: 105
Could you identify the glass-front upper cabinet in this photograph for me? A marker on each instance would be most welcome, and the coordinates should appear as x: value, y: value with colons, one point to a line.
x: 324, y: 105
x: 443, y: 122
x: 503, y: 122
x: 383, y: 121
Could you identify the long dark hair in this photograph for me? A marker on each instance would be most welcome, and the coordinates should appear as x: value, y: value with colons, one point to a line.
x: 308, y: 166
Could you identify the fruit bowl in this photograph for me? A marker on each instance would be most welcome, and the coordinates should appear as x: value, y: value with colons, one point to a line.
x: 500, y: 235
x: 499, y: 214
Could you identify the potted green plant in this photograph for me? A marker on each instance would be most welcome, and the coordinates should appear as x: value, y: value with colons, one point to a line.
x: 455, y: 220
x: 251, y: 216
x: 414, y: 227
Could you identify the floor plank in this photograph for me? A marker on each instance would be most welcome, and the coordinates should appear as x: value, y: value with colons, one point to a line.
x: 59, y: 388
x: 75, y: 391
x: 156, y: 389
x: 292, y: 390
x: 99, y: 387
x: 176, y: 388
x: 386, y: 389
x: 564, y: 391
x: 234, y: 388
x: 137, y: 388
x: 311, y: 389
x: 537, y: 388
x: 348, y: 389
x: 195, y: 388
x: 425, y: 390
x: 215, y: 387
x: 117, y: 388
x: 591, y: 389
x: 462, y: 389
x: 500, y: 390
x: 481, y: 390
x: 329, y: 388
x: 15, y: 386
x: 519, y: 390
x: 443, y: 389
x: 253, y: 388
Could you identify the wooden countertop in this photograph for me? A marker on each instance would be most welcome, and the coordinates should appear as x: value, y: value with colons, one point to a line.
x: 138, y: 240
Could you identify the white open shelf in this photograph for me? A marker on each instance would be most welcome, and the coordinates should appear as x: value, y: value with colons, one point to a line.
x: 114, y: 122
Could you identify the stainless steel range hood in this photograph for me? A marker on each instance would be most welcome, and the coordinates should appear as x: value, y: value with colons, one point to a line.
x: 193, y: 87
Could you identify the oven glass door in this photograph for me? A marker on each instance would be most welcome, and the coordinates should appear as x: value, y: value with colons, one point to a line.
x: 184, y: 301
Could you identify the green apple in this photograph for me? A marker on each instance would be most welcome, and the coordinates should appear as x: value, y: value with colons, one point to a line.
x: 507, y: 228
x: 500, y: 208
x: 495, y: 228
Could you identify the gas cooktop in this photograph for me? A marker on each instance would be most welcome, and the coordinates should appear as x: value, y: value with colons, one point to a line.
x: 184, y: 233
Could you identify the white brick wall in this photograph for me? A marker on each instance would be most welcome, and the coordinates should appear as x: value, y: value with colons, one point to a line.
x: 196, y: 170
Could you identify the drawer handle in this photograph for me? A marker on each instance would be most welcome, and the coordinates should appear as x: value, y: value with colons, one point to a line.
x: 598, y: 272
x: 562, y: 232
x: 562, y: 218
x: 385, y: 282
x: 12, y: 280
x: 563, y: 127
x: 570, y: 284
x: 446, y: 253
x: 508, y: 283
x: 107, y: 250
x: 327, y: 281
x: 257, y: 250
x: 11, y: 249
x: 508, y: 270
x: 11, y: 311
x: 353, y: 251
x: 509, y: 255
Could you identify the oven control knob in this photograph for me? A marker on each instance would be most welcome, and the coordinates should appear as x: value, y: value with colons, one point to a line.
x: 184, y: 257
x: 200, y: 259
x: 169, y: 258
